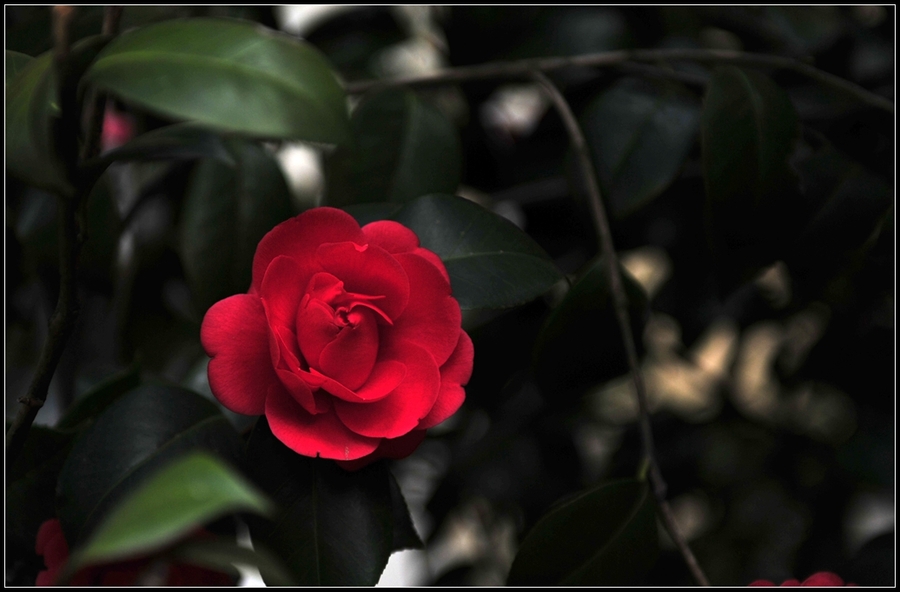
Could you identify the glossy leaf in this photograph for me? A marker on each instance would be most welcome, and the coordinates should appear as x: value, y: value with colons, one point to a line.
x: 492, y: 264
x: 335, y: 527
x: 748, y: 131
x: 848, y: 204
x: 173, y: 502
x: 131, y: 440
x: 405, y: 535
x: 403, y: 148
x: 605, y: 536
x: 175, y: 142
x: 228, y: 74
x: 32, y: 111
x: 92, y: 403
x: 580, y: 343
x: 37, y: 229
x: 640, y: 135
x: 15, y: 63
x: 97, y: 260
x: 226, y: 213
x: 31, y: 107
x: 371, y: 212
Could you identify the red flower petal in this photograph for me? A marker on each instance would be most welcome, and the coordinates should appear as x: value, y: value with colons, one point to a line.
x: 313, y: 435
x: 283, y: 346
x: 389, y: 448
x: 432, y: 258
x: 299, y: 238
x: 432, y: 318
x: 823, y: 578
x: 399, y: 412
x: 181, y: 575
x: 368, y: 270
x: 455, y: 374
x: 395, y: 238
x: 391, y: 236
x: 51, y: 544
x: 282, y: 290
x: 350, y: 357
x: 297, y: 388
x: 385, y: 377
x: 315, y: 330
x: 235, y: 335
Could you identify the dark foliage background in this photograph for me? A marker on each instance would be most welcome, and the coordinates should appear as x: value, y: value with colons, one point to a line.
x: 766, y: 334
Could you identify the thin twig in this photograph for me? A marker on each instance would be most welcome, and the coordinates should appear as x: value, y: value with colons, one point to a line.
x: 521, y: 68
x: 620, y: 303
x: 63, y: 320
x: 70, y: 239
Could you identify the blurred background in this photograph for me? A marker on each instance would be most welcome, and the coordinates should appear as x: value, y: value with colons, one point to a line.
x: 772, y: 381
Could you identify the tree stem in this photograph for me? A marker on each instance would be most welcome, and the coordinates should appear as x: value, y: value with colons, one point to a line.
x: 522, y: 68
x: 620, y: 303
x: 70, y: 238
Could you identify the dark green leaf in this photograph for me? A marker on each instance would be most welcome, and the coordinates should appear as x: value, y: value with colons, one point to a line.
x: 15, y: 63
x: 36, y: 228
x: 32, y: 111
x: 604, y: 537
x: 640, y: 135
x: 851, y: 201
x: 403, y: 148
x: 580, y: 343
x: 130, y: 440
x: 748, y: 131
x: 31, y: 485
x: 492, y: 264
x: 405, y: 535
x: 178, y: 141
x: 100, y: 397
x: 371, y: 212
x: 31, y: 107
x: 104, y: 226
x: 335, y: 528
x: 220, y: 555
x: 228, y: 74
x: 850, y: 208
x: 227, y: 211
x: 173, y: 502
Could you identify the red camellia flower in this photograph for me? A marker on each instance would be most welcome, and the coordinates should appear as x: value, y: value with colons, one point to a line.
x: 349, y: 340
x: 51, y: 544
x: 822, y: 578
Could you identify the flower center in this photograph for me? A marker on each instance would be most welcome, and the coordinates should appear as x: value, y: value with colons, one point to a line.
x: 337, y: 331
x: 342, y: 317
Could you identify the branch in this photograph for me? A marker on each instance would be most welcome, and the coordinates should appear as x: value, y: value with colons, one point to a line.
x: 522, y: 68
x: 70, y: 238
x: 620, y: 303
x: 63, y: 320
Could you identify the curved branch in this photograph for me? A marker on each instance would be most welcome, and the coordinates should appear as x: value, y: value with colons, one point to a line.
x: 71, y: 237
x: 63, y: 320
x: 620, y: 304
x: 521, y: 68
